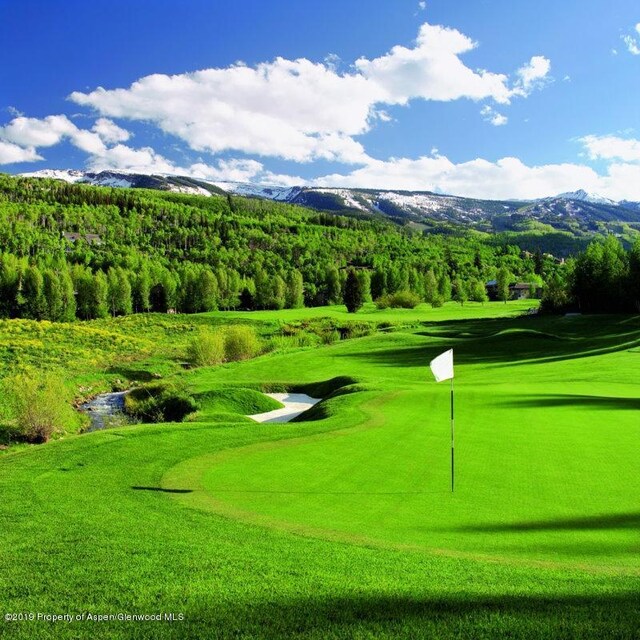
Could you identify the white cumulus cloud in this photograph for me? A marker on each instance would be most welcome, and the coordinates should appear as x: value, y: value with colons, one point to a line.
x: 432, y: 70
x: 492, y: 116
x: 632, y: 42
x: 36, y: 132
x: 10, y: 153
x: 109, y: 131
x: 506, y: 178
x: 301, y: 110
x: 612, y: 148
x: 532, y: 75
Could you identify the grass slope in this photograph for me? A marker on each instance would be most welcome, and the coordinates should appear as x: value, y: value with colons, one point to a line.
x: 344, y: 527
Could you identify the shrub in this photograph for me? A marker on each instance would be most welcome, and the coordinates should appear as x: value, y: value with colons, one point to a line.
x: 240, y: 342
x: 159, y: 402
x: 330, y: 336
x: 355, y: 330
x: 206, y: 349
x: 398, y: 300
x: 38, y: 406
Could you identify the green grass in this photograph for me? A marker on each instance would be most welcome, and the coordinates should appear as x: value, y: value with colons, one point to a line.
x: 345, y: 526
x: 232, y: 401
x: 369, y: 313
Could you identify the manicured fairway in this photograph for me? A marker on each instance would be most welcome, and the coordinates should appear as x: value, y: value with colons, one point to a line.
x: 345, y: 526
x: 547, y: 448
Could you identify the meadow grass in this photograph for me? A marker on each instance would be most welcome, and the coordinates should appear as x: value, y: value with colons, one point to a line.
x: 345, y: 526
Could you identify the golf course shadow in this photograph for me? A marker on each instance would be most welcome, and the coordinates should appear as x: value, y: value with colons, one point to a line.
x: 513, y: 341
x: 162, y: 489
x: 569, y: 400
x: 612, y: 521
x: 373, y: 616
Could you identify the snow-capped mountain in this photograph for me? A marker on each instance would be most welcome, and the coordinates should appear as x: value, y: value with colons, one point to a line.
x: 124, y: 179
x: 584, y: 196
x: 572, y: 211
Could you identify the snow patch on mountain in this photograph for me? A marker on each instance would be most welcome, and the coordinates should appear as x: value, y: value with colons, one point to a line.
x: 347, y: 197
x: 192, y: 191
x: 283, y: 194
x: 68, y: 175
x: 585, y: 196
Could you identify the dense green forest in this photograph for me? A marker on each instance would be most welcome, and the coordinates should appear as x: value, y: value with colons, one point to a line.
x: 73, y: 250
x: 603, y: 279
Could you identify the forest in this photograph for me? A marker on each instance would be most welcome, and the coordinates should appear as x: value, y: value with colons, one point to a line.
x: 76, y: 251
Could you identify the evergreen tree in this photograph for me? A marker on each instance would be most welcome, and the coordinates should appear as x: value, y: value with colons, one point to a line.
x: 353, y: 298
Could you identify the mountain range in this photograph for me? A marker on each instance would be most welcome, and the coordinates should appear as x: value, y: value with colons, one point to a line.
x: 577, y: 211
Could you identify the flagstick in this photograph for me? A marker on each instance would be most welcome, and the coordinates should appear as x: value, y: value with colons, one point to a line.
x: 452, y: 442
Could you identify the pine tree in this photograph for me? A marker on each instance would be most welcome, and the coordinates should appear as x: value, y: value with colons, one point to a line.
x: 353, y: 298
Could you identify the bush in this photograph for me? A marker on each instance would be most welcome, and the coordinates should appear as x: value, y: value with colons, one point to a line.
x: 240, y: 342
x: 355, y: 330
x: 38, y: 406
x: 159, y: 402
x: 398, y: 300
x: 206, y: 349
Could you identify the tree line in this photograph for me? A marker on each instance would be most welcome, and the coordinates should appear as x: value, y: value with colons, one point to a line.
x: 605, y: 278
x: 77, y: 251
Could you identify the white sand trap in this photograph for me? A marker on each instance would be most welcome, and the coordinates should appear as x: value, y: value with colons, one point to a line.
x: 294, y: 405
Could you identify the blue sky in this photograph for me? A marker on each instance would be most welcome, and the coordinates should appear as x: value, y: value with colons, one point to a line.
x: 485, y: 98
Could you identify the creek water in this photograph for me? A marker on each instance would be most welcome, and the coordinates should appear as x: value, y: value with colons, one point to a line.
x: 103, y: 408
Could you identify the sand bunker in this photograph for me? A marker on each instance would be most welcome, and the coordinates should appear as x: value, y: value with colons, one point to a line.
x: 294, y: 405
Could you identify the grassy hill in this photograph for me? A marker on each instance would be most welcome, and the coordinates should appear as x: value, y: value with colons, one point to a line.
x: 343, y: 524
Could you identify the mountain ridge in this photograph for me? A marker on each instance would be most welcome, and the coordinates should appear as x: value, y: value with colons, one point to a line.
x: 570, y: 211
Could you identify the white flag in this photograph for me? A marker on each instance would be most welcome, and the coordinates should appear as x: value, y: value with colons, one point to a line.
x: 442, y: 366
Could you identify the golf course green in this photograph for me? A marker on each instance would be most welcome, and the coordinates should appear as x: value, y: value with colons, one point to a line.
x: 342, y: 524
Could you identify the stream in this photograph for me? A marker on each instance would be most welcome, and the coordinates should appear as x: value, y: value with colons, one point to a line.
x: 103, y: 408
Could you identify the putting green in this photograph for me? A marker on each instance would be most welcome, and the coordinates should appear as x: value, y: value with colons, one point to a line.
x: 546, y: 458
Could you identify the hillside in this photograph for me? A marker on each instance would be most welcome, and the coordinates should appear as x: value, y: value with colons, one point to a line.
x: 578, y: 213
x: 105, y: 250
